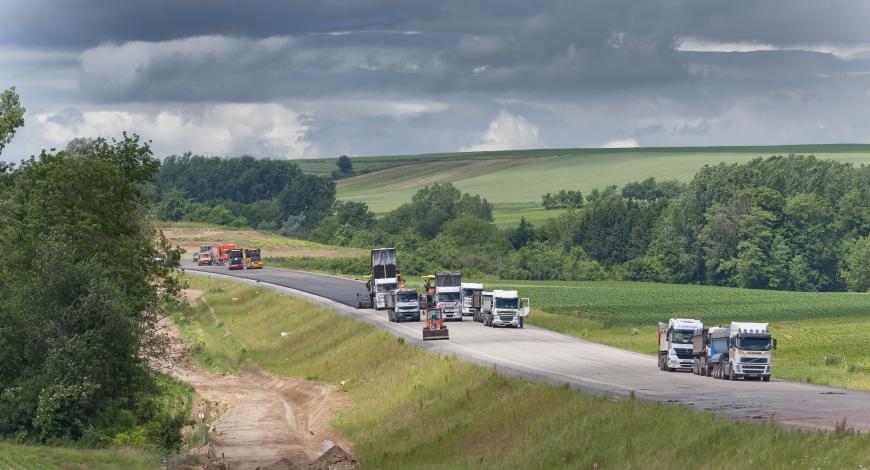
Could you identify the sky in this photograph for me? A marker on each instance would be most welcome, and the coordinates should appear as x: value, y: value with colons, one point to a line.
x: 294, y: 79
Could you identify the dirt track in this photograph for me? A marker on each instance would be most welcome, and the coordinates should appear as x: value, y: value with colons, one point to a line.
x: 263, y: 418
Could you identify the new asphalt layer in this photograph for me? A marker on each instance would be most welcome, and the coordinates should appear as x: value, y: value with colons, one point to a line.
x: 541, y: 354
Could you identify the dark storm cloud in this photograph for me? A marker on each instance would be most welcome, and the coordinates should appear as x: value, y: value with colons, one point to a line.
x: 400, y: 75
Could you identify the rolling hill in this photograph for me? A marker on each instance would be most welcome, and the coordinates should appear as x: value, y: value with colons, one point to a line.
x: 515, y: 180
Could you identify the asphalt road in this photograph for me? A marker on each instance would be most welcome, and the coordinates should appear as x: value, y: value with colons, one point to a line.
x: 545, y: 355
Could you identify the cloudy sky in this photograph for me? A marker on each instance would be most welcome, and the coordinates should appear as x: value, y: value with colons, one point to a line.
x: 294, y: 78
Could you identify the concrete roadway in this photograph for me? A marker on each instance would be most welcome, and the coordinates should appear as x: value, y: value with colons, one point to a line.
x: 541, y: 354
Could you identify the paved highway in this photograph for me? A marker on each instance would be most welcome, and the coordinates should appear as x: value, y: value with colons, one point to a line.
x: 545, y: 355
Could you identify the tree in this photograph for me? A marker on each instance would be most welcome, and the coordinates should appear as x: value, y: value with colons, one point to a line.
x: 522, y: 235
x: 857, y: 272
x: 11, y: 116
x: 344, y: 164
x: 433, y: 206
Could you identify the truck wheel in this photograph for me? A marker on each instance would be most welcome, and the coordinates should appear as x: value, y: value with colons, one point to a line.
x: 731, y: 375
x: 766, y: 379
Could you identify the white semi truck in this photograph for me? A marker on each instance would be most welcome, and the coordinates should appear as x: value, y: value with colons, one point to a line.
x: 750, y: 350
x: 467, y: 293
x: 448, y: 291
x: 675, y: 340
x: 505, y: 309
x: 403, y: 304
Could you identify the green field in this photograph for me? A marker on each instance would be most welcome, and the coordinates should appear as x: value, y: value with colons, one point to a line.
x: 413, y: 409
x: 523, y: 176
x: 31, y: 457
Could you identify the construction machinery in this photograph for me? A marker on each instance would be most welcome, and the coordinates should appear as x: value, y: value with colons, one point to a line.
x: 675, y: 339
x: 236, y: 259
x: 434, y: 328
x: 384, y: 278
x: 253, y: 259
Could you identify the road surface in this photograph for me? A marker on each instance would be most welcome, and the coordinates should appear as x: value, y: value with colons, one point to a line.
x: 545, y: 355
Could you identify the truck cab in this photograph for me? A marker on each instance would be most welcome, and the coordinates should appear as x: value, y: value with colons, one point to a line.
x: 383, y: 288
x: 750, y: 350
x: 469, y: 290
x: 253, y: 259
x: 505, y: 310
x: 236, y: 260
x: 675, y: 340
x: 404, y: 304
x: 448, y: 293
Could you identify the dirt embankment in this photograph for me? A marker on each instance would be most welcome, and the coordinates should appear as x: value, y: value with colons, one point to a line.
x: 264, y: 421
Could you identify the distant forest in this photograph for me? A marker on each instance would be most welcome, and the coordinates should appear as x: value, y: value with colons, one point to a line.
x: 784, y: 222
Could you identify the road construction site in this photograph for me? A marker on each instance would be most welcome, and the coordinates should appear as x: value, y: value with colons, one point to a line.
x: 544, y: 355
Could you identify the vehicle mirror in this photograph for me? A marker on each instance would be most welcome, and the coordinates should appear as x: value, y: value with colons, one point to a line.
x: 774, y: 344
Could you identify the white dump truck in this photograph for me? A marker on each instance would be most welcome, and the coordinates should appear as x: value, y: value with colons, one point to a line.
x: 403, y: 304
x: 750, y: 350
x: 384, y: 278
x: 505, y: 309
x: 675, y: 340
x: 467, y: 293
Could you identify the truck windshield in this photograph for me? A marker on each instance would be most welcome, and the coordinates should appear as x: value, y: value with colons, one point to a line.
x: 469, y: 292
x: 682, y: 336
x: 506, y: 303
x: 255, y: 256
x: 448, y: 296
x: 754, y: 344
x: 386, y: 287
x: 406, y: 297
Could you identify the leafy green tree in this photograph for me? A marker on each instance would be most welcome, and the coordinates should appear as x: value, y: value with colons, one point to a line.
x: 353, y: 213
x: 857, y: 271
x: 435, y: 205
x: 11, y: 116
x: 173, y: 207
x: 522, y: 235
x: 344, y: 164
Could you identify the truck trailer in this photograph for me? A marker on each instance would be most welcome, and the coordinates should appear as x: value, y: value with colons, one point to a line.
x: 675, y: 340
x: 709, y: 348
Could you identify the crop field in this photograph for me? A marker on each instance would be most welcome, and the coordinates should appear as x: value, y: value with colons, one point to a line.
x: 822, y: 336
x: 190, y: 235
x: 414, y: 409
x: 524, y: 176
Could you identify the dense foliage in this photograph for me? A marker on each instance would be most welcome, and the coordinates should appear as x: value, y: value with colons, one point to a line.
x: 243, y: 191
x: 787, y: 223
x: 82, y: 295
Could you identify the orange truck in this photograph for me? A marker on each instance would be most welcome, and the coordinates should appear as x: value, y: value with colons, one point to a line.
x: 223, y: 252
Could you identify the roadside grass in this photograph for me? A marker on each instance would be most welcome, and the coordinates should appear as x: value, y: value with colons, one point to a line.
x: 414, y: 409
x: 524, y: 176
x: 190, y: 236
x: 35, y: 457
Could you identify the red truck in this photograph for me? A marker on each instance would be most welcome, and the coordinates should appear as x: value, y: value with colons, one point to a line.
x: 223, y: 252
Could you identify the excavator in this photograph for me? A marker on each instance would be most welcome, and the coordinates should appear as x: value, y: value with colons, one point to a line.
x: 434, y: 327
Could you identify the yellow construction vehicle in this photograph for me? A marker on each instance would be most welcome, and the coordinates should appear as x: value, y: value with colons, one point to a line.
x: 252, y: 258
x: 434, y: 327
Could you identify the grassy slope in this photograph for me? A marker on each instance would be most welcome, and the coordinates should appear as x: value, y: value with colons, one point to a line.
x: 14, y: 456
x: 189, y: 236
x: 413, y: 409
x: 810, y: 326
x: 523, y: 176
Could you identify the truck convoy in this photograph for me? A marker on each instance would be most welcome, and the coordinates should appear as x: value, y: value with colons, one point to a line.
x: 252, y: 258
x: 675, y: 340
x: 384, y: 278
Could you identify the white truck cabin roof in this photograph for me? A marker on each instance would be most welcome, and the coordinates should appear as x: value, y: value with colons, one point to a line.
x: 472, y: 285
x: 685, y: 324
x: 719, y: 331
x: 505, y: 294
x: 749, y: 328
